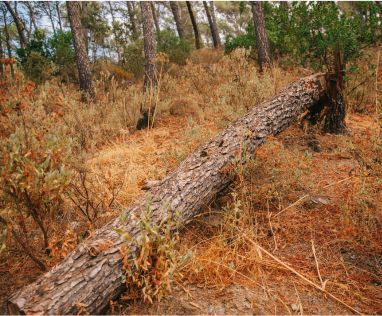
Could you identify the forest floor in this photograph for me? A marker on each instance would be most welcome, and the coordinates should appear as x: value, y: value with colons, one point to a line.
x: 327, y: 234
x: 309, y: 206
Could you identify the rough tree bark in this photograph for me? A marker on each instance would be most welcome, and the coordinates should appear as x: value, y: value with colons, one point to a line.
x: 19, y: 24
x: 262, y: 44
x: 178, y: 23
x: 194, y: 25
x: 86, y: 84
x: 335, y: 118
x: 213, y: 26
x: 91, y: 275
x: 150, y: 47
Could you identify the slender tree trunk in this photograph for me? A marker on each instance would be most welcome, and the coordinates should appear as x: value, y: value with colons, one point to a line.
x: 83, y: 66
x: 49, y: 12
x: 155, y: 18
x: 1, y: 57
x: 8, y: 42
x: 57, y: 3
x: 133, y: 24
x: 213, y: 26
x: 150, y: 80
x: 85, y: 31
x: 92, y: 274
x: 263, y: 51
x: 194, y: 25
x: 19, y: 24
x: 31, y: 14
x: 149, y: 43
x: 114, y: 31
x: 178, y: 23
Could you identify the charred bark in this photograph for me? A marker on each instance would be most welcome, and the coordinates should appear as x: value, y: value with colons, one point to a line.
x: 86, y: 84
x: 262, y: 43
x: 91, y: 275
x: 194, y: 25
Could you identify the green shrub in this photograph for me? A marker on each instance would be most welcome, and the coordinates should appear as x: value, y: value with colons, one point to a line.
x: 177, y: 50
x: 133, y: 59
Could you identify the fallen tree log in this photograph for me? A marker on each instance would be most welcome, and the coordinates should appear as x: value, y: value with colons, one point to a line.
x: 91, y: 275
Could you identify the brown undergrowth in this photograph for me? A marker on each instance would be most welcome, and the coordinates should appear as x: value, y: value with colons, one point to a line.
x: 328, y: 199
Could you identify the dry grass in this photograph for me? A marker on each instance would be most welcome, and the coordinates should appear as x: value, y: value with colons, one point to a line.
x: 196, y: 101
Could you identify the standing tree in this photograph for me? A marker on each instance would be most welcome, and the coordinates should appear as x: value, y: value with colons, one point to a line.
x: 262, y: 43
x: 19, y: 24
x: 149, y: 45
x: 213, y: 26
x: 133, y: 24
x: 194, y: 25
x: 155, y: 18
x: 83, y: 66
x: 175, y: 12
x: 7, y: 38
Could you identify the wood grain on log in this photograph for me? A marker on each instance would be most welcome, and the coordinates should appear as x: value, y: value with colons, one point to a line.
x: 91, y: 275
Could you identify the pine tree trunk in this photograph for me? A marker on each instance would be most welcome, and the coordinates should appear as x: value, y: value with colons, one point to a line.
x: 83, y: 66
x: 262, y: 44
x: 19, y: 24
x: 92, y: 274
x: 149, y: 45
x: 31, y: 15
x: 1, y: 57
x: 194, y: 25
x: 59, y: 15
x: 178, y: 23
x: 133, y: 25
x: 213, y: 26
x: 8, y: 41
x: 155, y: 18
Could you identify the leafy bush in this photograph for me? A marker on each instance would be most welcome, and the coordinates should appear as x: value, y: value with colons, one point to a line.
x: 177, y: 50
x: 35, y: 58
x: 34, y: 174
x: 62, y: 53
x: 133, y: 59
x: 246, y: 40
x: 148, y: 274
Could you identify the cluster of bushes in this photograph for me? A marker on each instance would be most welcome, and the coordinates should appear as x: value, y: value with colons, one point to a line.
x: 308, y: 32
x: 45, y: 56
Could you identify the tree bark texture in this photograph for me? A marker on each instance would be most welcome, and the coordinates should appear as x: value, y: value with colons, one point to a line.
x: 149, y: 43
x: 91, y: 275
x: 178, y: 23
x: 194, y: 25
x: 83, y: 65
x: 213, y: 26
x: 262, y: 43
x: 19, y: 24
